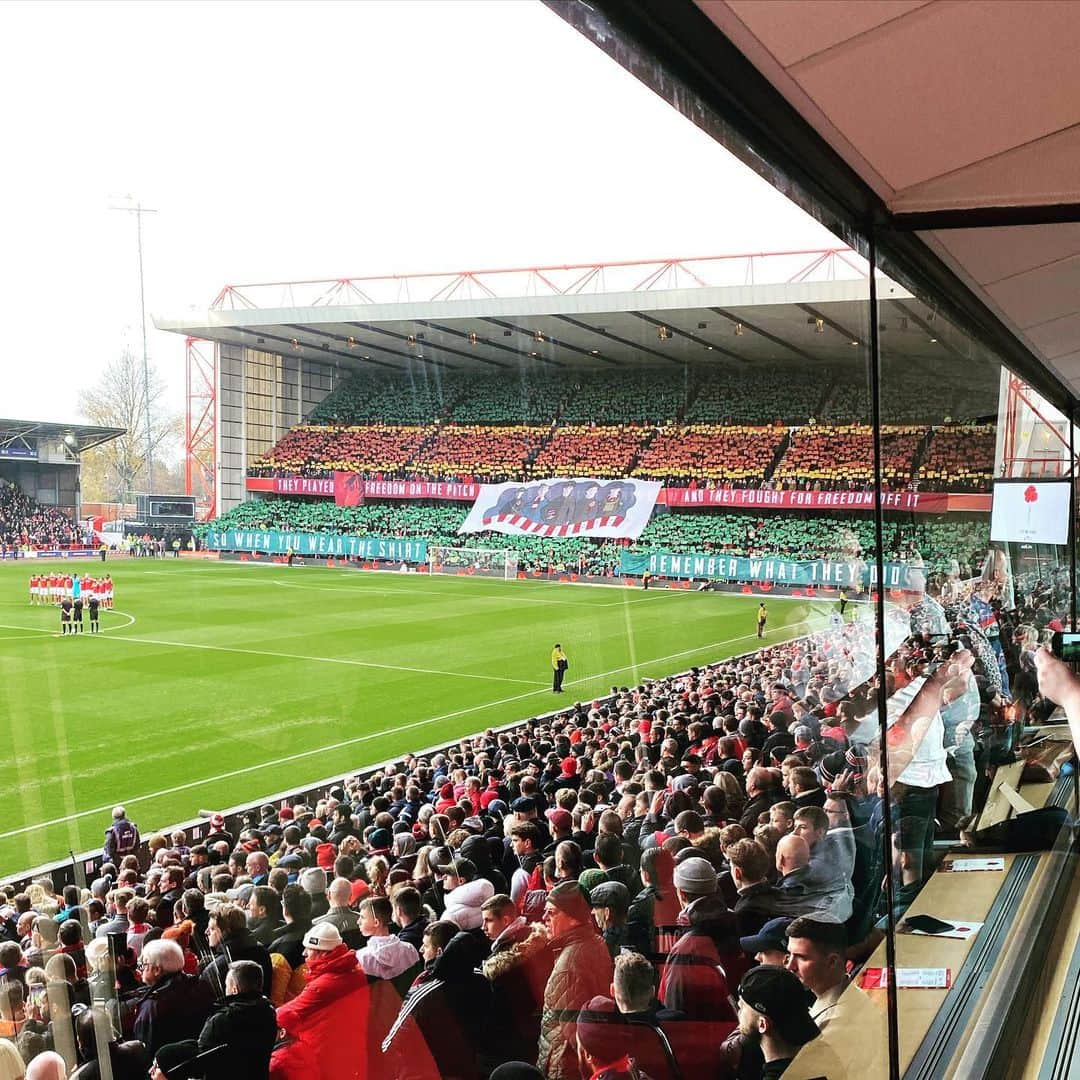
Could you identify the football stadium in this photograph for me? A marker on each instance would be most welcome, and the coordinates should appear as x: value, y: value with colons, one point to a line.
x: 647, y: 669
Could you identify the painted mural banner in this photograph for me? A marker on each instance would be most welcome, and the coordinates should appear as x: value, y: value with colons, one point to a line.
x: 564, y: 506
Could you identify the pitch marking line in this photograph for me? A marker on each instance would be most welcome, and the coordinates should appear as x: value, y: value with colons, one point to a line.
x: 45, y: 630
x: 326, y: 660
x: 364, y: 738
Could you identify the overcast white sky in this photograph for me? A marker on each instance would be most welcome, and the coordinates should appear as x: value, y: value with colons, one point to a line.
x: 294, y: 140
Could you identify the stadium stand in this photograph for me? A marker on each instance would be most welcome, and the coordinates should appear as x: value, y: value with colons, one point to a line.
x: 959, y: 459
x: 491, y: 428
x: 532, y: 398
x: 643, y: 396
x: 660, y: 839
x: 704, y: 452
x: 26, y: 523
x: 381, y: 451
x: 757, y: 398
x: 590, y: 451
x: 478, y: 452
x: 810, y: 536
x: 418, y: 399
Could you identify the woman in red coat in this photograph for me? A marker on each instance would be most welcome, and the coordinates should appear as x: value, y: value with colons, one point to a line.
x: 329, y: 1017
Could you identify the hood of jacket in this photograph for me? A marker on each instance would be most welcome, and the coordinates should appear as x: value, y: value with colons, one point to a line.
x: 463, y: 903
x: 340, y: 960
x: 459, y: 960
x: 505, y: 960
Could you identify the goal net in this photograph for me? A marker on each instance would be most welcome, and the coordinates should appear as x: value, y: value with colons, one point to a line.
x: 478, y: 562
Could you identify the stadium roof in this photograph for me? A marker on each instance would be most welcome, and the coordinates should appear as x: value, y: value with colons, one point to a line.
x: 76, y: 437
x: 978, y: 159
x: 787, y: 307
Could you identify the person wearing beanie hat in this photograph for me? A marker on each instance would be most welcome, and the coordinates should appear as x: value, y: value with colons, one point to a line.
x: 603, y: 1042
x: 694, y: 979
x: 329, y: 1017
x: 325, y: 854
x: 582, y: 971
x: 312, y: 880
x: 173, y: 1061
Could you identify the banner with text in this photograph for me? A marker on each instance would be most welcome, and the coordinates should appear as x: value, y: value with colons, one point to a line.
x: 368, y: 489
x: 275, y: 542
x: 926, y: 502
x: 778, y: 571
x: 572, y: 506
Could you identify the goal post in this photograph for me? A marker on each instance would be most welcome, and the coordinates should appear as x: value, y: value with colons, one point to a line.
x: 474, y: 562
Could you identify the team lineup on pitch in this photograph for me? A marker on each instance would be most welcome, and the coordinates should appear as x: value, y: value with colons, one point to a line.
x: 256, y: 679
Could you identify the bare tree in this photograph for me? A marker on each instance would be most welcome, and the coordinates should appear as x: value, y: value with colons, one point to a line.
x: 114, y: 471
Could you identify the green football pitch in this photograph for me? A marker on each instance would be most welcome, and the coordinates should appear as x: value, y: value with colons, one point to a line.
x: 214, y: 684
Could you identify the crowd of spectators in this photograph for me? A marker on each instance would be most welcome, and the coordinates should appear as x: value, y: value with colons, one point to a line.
x: 625, y: 423
x: 685, y: 871
x: 26, y: 523
x: 745, y: 396
x: 480, y: 453
x: 382, y: 451
x: 588, y: 450
x: 740, y: 456
x: 823, y: 457
x: 799, y: 537
x: 960, y: 459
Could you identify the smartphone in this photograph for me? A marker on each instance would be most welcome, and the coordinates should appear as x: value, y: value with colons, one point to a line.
x: 928, y: 924
x: 1066, y: 646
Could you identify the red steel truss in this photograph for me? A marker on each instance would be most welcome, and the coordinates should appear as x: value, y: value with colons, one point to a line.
x: 200, y: 423
x: 1019, y: 395
x: 765, y: 267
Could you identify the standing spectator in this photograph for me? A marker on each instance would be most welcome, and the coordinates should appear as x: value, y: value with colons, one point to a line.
x: 704, y: 965
x: 518, y: 969
x: 231, y: 940
x: 384, y: 956
x: 175, y: 1005
x: 773, y: 1015
x: 245, y: 1026
x: 444, y: 1015
x: 329, y: 1017
x: 582, y: 971
x: 121, y: 837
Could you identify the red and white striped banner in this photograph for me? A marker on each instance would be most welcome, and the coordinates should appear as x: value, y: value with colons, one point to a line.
x: 564, y: 507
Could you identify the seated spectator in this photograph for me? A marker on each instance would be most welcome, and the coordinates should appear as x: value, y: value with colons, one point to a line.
x: 94, y: 1032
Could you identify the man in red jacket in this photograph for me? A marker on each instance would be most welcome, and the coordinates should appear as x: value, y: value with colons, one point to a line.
x: 327, y: 1021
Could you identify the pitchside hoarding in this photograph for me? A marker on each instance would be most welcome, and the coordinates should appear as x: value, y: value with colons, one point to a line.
x: 338, y: 545
x: 821, y: 573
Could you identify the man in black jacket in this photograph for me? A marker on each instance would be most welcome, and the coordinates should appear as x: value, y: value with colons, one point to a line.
x: 175, y: 1005
x: 231, y: 940
x: 245, y: 1025
x: 264, y: 915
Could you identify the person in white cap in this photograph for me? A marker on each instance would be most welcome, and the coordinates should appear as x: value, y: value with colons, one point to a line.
x: 330, y: 1015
